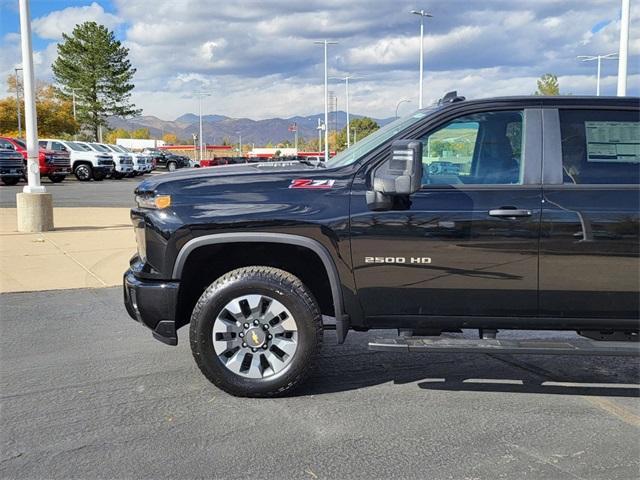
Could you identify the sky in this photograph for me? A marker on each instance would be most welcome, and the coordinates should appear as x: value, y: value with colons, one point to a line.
x: 258, y: 58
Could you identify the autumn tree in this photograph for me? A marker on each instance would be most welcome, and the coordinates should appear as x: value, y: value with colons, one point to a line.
x: 142, y: 133
x: 548, y: 85
x: 170, y: 138
x: 113, y: 135
x: 54, y: 110
x: 94, y: 65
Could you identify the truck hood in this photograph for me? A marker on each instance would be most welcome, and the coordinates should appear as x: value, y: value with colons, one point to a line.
x: 225, y: 174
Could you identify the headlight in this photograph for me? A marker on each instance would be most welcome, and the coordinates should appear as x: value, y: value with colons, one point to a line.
x: 153, y: 201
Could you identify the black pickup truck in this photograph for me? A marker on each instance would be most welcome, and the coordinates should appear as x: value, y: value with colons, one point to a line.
x: 11, y: 166
x: 505, y: 213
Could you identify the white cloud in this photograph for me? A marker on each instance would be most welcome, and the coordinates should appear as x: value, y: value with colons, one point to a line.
x: 258, y: 59
x: 53, y: 25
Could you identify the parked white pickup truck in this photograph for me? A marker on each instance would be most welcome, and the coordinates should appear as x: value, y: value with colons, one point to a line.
x: 141, y: 163
x: 86, y: 163
x: 123, y: 163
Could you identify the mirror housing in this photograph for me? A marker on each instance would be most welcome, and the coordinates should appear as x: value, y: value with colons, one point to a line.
x: 400, y: 175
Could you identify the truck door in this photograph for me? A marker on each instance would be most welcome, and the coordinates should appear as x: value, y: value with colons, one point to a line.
x: 466, y: 244
x: 590, y: 245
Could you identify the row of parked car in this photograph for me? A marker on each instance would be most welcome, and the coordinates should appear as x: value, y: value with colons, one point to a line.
x: 86, y: 160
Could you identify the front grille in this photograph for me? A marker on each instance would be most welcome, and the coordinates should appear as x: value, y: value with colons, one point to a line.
x: 11, y: 162
x: 108, y: 163
x: 61, y: 161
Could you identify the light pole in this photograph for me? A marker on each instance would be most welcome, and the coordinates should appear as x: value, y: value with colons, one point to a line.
x: 34, y: 205
x: 18, y: 102
x: 599, y: 58
x: 422, y: 14
x: 320, y: 129
x: 624, y: 49
x: 200, y: 97
x: 326, y: 98
x: 346, y: 84
x: 195, y: 147
x: 404, y: 100
x: 73, y: 99
x: 239, y: 142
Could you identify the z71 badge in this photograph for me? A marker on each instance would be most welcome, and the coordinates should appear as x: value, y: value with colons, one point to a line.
x: 311, y: 184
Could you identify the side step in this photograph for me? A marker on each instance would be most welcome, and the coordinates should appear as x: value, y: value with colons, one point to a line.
x: 578, y: 346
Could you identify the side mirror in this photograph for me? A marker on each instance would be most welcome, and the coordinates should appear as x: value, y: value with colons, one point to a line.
x: 400, y: 175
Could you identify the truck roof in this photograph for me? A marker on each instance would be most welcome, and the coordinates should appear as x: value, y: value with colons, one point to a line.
x: 543, y: 101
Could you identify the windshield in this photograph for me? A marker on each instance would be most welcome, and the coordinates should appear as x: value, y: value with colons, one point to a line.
x: 21, y: 143
x: 78, y: 147
x: 100, y: 148
x: 364, y: 146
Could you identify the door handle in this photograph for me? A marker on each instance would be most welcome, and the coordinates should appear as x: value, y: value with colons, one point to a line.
x: 509, y: 212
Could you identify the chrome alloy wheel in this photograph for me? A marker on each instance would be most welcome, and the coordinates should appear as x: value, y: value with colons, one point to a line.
x: 255, y: 336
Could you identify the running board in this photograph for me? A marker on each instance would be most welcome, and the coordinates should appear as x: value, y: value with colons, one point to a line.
x: 578, y: 346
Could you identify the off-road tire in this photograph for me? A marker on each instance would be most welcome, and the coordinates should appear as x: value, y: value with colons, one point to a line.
x: 83, y: 172
x: 9, y: 181
x: 273, y: 282
x: 56, y: 178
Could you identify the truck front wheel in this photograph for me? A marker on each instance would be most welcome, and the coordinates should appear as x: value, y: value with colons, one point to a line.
x: 83, y: 172
x: 10, y: 180
x: 56, y: 178
x: 256, y: 331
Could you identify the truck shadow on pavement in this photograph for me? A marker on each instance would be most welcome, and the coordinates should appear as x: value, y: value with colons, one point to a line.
x: 527, y: 374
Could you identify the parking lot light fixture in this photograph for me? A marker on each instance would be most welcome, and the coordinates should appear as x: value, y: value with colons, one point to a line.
x: 598, y: 58
x: 326, y: 43
x: 422, y: 14
x: 31, y: 117
x: 200, y: 96
x: 404, y: 100
x: 624, y: 48
x: 18, y: 102
x: 346, y: 83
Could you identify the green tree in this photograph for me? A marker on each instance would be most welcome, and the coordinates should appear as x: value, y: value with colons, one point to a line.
x: 360, y: 128
x: 548, y: 85
x: 94, y: 65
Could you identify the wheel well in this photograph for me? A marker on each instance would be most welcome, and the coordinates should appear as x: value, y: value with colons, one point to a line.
x: 208, y: 263
x: 81, y: 162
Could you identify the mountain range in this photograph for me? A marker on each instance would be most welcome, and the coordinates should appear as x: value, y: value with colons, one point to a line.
x: 216, y: 128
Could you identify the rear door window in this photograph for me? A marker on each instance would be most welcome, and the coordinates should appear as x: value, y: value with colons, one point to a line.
x: 600, y: 146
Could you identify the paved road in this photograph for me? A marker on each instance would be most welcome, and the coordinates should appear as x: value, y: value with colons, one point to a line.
x: 87, y: 393
x: 72, y: 193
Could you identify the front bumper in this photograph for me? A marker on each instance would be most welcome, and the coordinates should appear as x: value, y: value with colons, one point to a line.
x: 106, y: 169
x: 125, y: 168
x: 153, y: 304
x: 17, y: 171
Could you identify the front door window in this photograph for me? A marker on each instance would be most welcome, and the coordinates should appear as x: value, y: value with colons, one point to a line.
x: 483, y: 148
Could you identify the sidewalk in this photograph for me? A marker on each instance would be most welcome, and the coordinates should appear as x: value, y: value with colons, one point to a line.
x: 90, y: 247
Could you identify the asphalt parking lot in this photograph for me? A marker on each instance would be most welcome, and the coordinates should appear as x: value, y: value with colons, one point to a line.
x: 72, y: 193
x: 87, y: 393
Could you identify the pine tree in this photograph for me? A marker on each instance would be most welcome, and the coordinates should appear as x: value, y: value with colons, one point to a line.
x: 92, y: 64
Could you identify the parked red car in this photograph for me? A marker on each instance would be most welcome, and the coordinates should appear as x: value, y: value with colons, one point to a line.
x: 55, y: 165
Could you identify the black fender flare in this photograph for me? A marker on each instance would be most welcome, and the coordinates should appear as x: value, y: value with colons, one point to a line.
x: 342, y: 320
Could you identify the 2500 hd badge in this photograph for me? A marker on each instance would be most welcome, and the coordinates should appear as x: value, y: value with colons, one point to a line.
x: 398, y: 260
